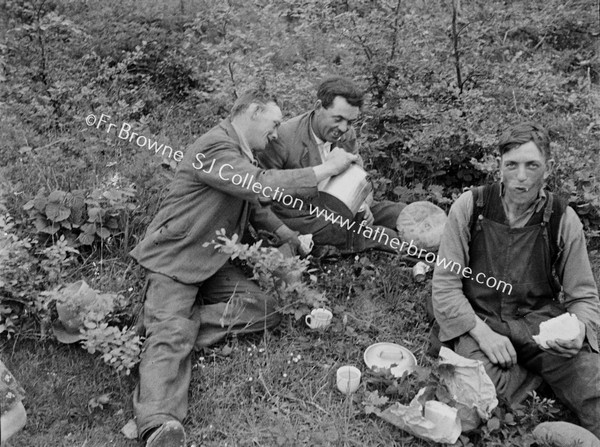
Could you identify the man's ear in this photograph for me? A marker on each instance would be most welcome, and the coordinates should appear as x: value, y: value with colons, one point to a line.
x: 498, y: 172
x: 318, y: 104
x: 549, y: 168
x: 254, y: 110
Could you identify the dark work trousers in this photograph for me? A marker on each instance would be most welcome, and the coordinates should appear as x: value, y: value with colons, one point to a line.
x: 383, y: 229
x: 178, y: 317
x: 521, y: 258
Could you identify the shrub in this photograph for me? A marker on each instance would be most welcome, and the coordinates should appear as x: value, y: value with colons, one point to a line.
x: 279, y: 275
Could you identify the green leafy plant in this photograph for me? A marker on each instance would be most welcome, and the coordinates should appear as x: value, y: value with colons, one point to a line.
x: 56, y: 258
x: 26, y: 270
x: 373, y: 402
x: 83, y: 218
x: 277, y: 274
x: 92, y: 313
x: 120, y: 348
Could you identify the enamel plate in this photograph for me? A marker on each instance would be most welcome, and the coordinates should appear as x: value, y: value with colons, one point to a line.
x: 384, y: 355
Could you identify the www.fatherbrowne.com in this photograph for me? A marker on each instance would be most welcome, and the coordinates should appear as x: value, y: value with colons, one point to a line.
x: 225, y: 172
x: 411, y: 249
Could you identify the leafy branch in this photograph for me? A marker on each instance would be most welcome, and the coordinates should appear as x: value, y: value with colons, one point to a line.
x: 276, y: 273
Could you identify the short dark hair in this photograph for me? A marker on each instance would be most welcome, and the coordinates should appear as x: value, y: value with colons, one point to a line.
x: 339, y: 86
x: 255, y: 96
x: 523, y: 133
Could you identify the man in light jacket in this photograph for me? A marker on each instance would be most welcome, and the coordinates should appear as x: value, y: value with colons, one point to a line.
x: 307, y: 140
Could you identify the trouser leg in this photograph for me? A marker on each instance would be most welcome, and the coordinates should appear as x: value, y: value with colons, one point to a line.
x: 511, y: 383
x: 381, y: 232
x: 575, y: 381
x: 374, y: 237
x: 386, y: 212
x: 230, y: 303
x: 165, y: 368
x: 355, y: 238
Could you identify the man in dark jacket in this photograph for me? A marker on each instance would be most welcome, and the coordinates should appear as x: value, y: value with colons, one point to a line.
x: 506, y: 252
x: 194, y: 296
x: 307, y: 140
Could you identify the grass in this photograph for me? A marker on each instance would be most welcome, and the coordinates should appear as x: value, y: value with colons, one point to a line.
x: 275, y: 389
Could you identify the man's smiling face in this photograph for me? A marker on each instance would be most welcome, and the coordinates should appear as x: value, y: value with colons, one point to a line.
x: 329, y: 124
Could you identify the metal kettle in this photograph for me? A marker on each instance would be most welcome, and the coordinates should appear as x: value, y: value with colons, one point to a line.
x: 344, y: 193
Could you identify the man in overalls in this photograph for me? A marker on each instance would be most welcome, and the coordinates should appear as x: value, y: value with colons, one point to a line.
x: 510, y: 247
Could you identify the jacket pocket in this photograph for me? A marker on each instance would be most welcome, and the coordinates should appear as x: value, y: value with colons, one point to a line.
x: 166, y: 233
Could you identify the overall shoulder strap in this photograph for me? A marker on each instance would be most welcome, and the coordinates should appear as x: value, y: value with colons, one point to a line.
x: 479, y: 195
x: 555, y: 208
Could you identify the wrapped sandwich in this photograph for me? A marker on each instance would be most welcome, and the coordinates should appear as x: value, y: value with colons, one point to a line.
x: 563, y: 327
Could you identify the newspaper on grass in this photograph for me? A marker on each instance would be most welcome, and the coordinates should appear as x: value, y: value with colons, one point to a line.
x: 442, y: 425
x: 469, y: 399
x: 470, y: 387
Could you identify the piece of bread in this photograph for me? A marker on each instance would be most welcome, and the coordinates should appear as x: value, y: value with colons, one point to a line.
x: 422, y: 223
x: 563, y: 327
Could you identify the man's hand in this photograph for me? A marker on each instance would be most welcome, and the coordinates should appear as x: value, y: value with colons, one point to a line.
x: 496, y: 347
x: 287, y: 235
x: 368, y: 215
x: 337, y: 161
x: 567, y: 348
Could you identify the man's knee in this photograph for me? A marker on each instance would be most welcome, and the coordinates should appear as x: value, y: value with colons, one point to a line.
x: 512, y: 383
x: 386, y: 212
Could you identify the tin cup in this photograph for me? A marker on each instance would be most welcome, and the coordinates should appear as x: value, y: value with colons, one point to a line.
x: 348, y: 379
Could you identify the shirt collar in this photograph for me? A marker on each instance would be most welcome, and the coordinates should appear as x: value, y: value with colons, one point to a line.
x: 538, y: 204
x: 314, y: 135
x: 243, y: 143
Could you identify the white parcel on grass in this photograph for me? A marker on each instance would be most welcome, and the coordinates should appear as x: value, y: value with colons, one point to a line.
x: 563, y: 327
x: 422, y: 223
x: 437, y: 422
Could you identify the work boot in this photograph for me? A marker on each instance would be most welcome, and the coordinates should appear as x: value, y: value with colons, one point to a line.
x: 169, y: 434
x: 564, y: 434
